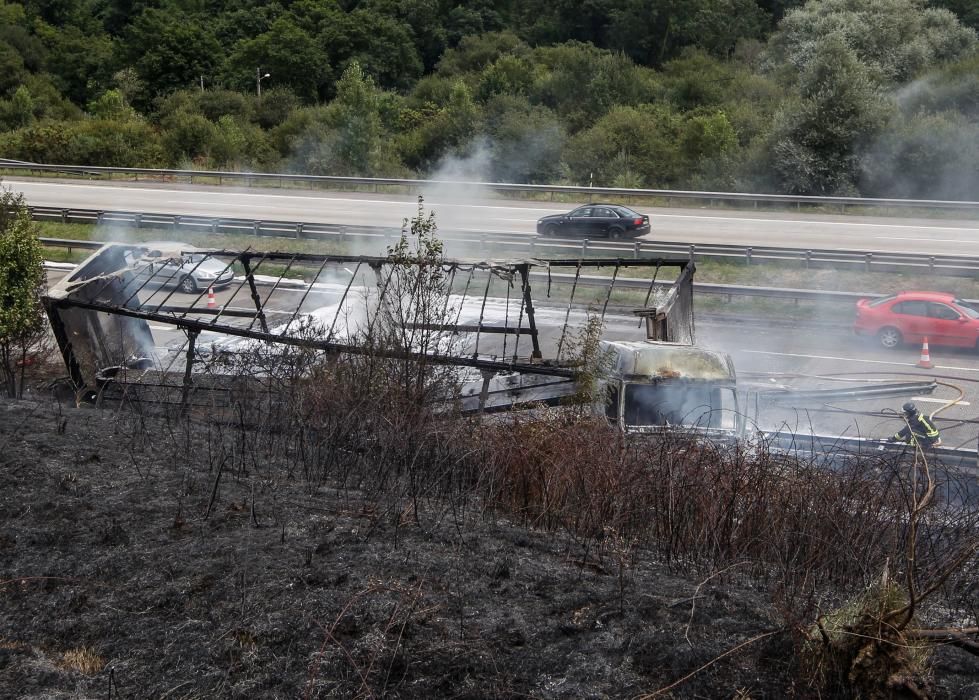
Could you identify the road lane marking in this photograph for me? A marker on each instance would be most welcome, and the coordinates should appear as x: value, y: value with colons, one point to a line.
x: 854, y: 359
x: 307, y: 198
x: 819, y: 223
x: 247, y: 206
x: 926, y: 240
x: 929, y: 399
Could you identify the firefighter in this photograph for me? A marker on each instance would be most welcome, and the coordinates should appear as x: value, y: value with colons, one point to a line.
x: 919, y: 430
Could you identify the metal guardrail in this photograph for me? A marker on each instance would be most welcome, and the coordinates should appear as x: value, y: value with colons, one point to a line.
x: 727, y: 290
x: 535, y: 246
x: 417, y: 185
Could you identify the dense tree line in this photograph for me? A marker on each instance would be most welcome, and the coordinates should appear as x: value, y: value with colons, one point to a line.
x: 875, y: 97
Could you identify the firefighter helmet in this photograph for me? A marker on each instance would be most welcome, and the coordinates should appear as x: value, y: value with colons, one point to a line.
x: 910, y: 408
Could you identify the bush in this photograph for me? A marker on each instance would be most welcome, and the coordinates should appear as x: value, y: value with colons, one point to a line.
x: 22, y: 325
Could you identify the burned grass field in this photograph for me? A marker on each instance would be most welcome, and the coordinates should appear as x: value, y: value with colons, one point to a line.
x: 352, y: 544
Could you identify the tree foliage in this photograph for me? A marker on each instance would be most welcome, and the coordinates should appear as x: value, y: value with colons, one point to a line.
x: 779, y: 95
x: 22, y: 280
x: 893, y: 39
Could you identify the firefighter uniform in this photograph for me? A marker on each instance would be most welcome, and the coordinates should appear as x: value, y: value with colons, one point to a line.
x: 918, y: 431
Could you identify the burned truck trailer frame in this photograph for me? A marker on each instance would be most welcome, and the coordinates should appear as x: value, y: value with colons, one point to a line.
x: 101, y: 314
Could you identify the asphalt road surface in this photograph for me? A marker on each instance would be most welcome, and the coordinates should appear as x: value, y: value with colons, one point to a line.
x: 468, y: 210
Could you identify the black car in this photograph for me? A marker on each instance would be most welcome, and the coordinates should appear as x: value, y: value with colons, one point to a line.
x: 596, y: 220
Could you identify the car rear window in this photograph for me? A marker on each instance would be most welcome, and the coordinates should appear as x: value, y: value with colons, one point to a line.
x: 627, y: 212
x: 882, y: 300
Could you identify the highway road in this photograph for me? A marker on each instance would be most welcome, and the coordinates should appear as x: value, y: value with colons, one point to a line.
x: 469, y: 210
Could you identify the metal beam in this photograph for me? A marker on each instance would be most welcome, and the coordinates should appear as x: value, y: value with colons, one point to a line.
x: 193, y: 324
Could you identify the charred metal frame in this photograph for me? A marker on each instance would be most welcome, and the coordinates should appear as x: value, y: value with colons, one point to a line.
x: 107, y: 284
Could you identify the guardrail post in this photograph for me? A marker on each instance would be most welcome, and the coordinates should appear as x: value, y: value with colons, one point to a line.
x: 215, y: 224
x: 256, y: 227
x: 176, y: 222
x: 693, y: 252
x: 747, y: 255
x: 99, y: 217
x: 533, y: 247
x: 343, y: 233
x: 299, y: 230
x: 867, y: 259
x: 64, y: 216
x: 584, y: 247
x: 637, y: 249
x: 931, y: 264
x: 138, y: 220
x: 808, y: 258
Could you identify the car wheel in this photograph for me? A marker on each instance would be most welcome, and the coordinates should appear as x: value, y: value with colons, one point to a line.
x: 187, y: 285
x: 550, y: 230
x: 890, y: 337
x: 615, y: 233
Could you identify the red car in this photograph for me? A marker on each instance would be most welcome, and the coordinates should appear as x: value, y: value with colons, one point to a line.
x: 910, y: 316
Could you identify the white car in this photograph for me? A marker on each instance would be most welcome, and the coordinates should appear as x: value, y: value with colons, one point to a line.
x: 174, y: 264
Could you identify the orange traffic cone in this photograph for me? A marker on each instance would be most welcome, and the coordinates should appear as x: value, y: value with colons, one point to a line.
x: 212, y: 302
x: 925, y: 361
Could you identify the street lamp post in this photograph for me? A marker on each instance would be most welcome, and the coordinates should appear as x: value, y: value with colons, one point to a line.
x: 258, y: 81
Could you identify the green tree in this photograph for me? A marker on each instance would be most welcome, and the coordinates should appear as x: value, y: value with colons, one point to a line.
x: 507, y: 75
x: 18, y: 111
x: 652, y: 32
x: 170, y: 50
x: 893, y: 39
x: 12, y: 70
x: 643, y: 141
x: 527, y: 140
x: 81, y: 64
x: 440, y: 130
x: 111, y: 105
x: 814, y: 148
x: 289, y: 54
x: 188, y: 137
x: 966, y: 10
x: 380, y: 45
x: 924, y: 156
x: 474, y: 53
x: 22, y: 326
x: 343, y: 138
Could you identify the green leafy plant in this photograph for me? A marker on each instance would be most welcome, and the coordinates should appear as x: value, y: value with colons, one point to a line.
x: 22, y: 327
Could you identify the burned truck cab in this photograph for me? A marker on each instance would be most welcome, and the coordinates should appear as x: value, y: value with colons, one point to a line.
x: 657, y: 383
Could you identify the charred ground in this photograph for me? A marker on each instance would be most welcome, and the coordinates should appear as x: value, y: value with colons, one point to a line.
x: 130, y: 569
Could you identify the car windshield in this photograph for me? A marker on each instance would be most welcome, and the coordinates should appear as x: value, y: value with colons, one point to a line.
x: 966, y: 309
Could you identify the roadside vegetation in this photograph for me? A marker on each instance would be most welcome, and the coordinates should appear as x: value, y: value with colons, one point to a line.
x: 23, y: 326
x: 748, y: 95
